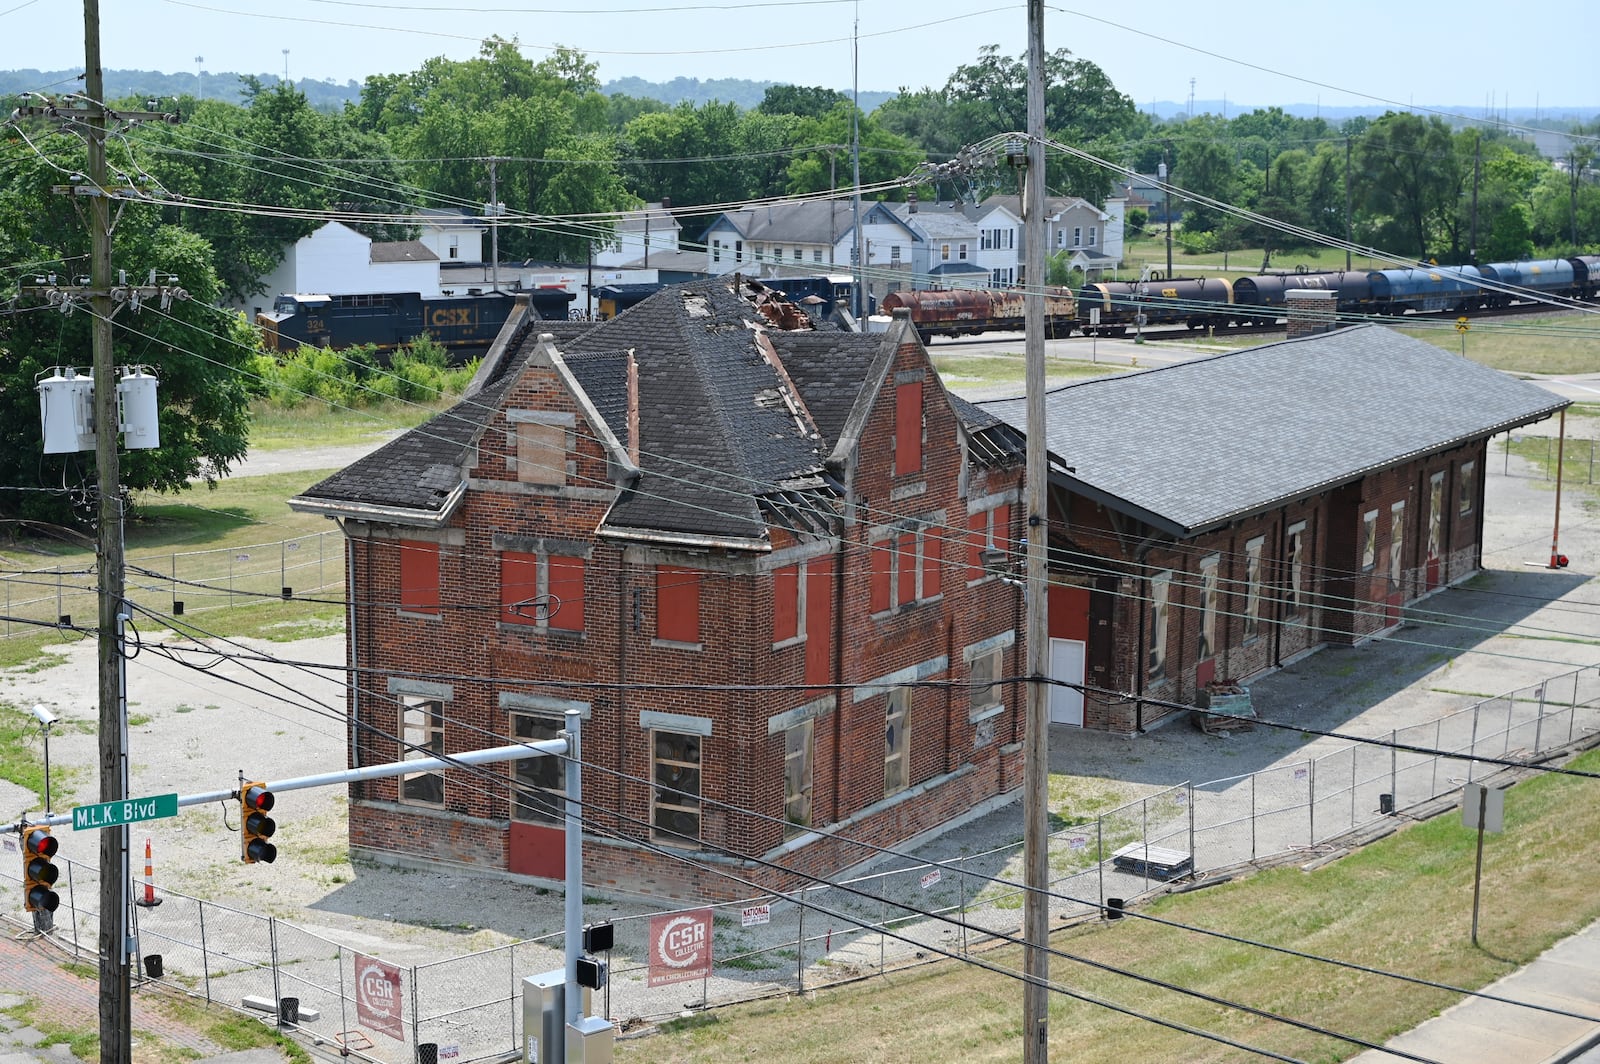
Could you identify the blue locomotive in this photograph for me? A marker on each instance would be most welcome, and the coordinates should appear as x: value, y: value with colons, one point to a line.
x: 465, y: 324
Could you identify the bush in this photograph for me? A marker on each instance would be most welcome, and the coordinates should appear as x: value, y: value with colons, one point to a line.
x: 356, y: 376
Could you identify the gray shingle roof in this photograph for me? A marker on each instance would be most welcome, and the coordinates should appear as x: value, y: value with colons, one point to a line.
x: 415, y: 478
x: 401, y: 251
x: 1197, y: 444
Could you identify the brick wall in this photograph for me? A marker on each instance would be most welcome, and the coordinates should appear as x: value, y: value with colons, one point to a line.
x: 620, y: 670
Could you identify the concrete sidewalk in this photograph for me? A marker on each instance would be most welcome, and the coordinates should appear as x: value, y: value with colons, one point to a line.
x: 1477, y: 1031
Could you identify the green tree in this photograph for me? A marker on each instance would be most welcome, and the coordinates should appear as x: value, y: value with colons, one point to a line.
x: 196, y: 351
x: 1410, y: 176
x: 807, y: 102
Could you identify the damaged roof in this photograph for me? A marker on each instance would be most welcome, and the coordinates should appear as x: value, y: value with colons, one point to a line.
x: 1195, y: 445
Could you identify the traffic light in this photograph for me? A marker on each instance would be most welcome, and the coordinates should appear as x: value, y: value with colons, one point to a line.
x: 38, y: 871
x: 255, y: 826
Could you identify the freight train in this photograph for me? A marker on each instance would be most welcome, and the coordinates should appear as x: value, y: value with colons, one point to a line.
x: 1111, y: 308
x: 464, y: 324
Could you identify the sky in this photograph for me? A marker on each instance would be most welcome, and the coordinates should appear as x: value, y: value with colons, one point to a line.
x: 1352, y: 53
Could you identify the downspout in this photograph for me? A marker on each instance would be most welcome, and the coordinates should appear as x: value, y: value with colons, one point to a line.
x: 1140, y: 648
x: 625, y: 610
x: 1277, y: 610
x: 841, y: 555
x: 354, y: 641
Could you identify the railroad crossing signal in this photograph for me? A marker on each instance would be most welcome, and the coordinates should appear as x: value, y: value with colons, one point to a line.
x: 255, y: 826
x: 1462, y: 324
x: 39, y: 872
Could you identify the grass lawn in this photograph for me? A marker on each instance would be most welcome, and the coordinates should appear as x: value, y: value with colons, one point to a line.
x: 993, y: 371
x: 1402, y: 904
x: 1152, y: 251
x: 1566, y: 344
x: 316, y: 424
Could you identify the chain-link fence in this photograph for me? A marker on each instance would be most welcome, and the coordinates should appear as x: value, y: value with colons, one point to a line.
x: 469, y: 1007
x: 1540, y: 453
x: 199, y: 579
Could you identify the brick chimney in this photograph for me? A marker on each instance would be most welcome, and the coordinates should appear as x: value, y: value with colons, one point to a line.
x: 1311, y: 311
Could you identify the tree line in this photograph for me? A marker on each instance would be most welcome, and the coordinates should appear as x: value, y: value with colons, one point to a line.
x: 232, y: 185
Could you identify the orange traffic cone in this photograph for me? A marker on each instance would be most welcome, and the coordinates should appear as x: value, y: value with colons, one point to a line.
x: 149, y: 899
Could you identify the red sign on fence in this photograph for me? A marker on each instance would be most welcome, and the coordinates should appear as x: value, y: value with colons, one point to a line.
x: 378, y: 997
x: 680, y: 947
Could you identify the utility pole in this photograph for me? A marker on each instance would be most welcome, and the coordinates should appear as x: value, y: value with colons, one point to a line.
x: 116, y: 942
x: 860, y: 271
x: 1166, y: 208
x: 1036, y: 736
x: 1477, y: 161
x: 1349, y: 238
x: 494, y: 224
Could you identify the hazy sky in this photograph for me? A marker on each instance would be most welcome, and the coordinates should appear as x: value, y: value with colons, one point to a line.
x: 1470, y: 54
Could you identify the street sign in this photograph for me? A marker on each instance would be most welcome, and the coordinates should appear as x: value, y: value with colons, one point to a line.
x: 131, y: 811
x: 1483, y: 808
x: 1462, y: 325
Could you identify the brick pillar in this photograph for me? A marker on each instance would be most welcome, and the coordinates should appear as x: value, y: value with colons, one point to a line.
x: 1311, y: 311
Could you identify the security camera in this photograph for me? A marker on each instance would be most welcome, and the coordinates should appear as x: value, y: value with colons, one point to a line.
x: 44, y: 716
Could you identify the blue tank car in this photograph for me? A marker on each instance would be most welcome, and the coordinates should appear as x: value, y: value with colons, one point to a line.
x: 1437, y: 288
x: 1549, y: 276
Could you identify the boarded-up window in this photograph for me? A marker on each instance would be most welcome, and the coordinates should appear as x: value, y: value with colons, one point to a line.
x: 896, y: 744
x: 785, y: 603
x: 1397, y: 544
x: 1469, y: 482
x: 419, y: 576
x: 932, y: 564
x: 538, y: 783
x: 882, y: 566
x: 986, y: 691
x: 977, y: 543
x: 422, y: 735
x: 1160, y: 597
x: 1369, y: 540
x: 908, y: 428
x: 675, y: 817
x: 1208, y: 609
x: 798, y: 743
x: 677, y: 604
x: 1435, y: 514
x: 566, y: 593
x: 816, y: 617
x: 519, y: 588
x: 1294, y: 593
x: 1252, y: 587
x: 541, y: 453
x: 906, y: 563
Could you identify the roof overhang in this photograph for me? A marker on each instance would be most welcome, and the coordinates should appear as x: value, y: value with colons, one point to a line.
x: 407, y: 516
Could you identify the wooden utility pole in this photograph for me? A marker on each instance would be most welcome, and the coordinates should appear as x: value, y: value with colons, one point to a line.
x: 1036, y: 738
x: 116, y: 1027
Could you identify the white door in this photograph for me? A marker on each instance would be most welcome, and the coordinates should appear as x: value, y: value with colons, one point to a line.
x: 1066, y: 664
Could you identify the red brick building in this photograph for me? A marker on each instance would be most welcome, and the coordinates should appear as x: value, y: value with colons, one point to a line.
x: 750, y: 556
x: 1215, y: 518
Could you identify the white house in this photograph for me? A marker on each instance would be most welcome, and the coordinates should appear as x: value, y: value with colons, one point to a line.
x: 336, y: 260
x: 453, y: 235
x: 1091, y: 236
x: 813, y: 237
x: 946, y: 256
x: 639, y: 235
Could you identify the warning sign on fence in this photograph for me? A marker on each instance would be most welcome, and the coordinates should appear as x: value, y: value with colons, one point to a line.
x: 680, y: 947
x: 378, y: 997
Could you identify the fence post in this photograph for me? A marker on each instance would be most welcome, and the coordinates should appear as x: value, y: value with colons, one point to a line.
x: 283, y: 563
x: 1439, y: 730
x: 961, y: 884
x: 1472, y: 751
x: 1572, y: 715
x: 800, y: 947
x: 1311, y: 802
x: 1355, y: 769
x: 344, y: 1018
x: 1538, y: 724
x: 72, y: 904
x: 416, y: 1024
x: 883, y: 934
x: 205, y: 957
x: 1394, y: 767
x: 1252, y: 816
x: 1100, y: 856
x: 272, y: 939
x: 1194, y: 865
x: 1144, y: 835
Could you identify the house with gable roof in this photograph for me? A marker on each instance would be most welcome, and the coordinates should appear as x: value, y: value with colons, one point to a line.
x: 1216, y: 518
x: 807, y: 237
x: 753, y: 559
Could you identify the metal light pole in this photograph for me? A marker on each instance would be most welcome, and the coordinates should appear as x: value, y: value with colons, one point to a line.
x: 45, y: 718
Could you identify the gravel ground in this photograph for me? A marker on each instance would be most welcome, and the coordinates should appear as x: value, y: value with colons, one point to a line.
x: 196, y: 724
